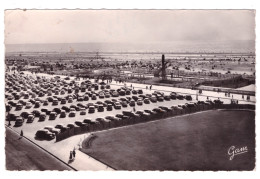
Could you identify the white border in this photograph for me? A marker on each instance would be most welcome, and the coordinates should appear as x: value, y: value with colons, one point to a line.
x: 117, y: 4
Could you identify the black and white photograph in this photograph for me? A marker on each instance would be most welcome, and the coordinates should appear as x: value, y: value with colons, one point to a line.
x: 130, y: 89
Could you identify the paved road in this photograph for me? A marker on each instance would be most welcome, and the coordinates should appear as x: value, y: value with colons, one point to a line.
x: 23, y: 155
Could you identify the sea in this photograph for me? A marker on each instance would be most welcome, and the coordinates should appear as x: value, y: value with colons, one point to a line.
x: 154, y: 47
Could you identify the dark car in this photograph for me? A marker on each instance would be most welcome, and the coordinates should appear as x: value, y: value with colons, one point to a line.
x: 18, y: 121
x: 140, y: 91
x: 134, y: 92
x: 79, y: 123
x: 91, y: 109
x: 188, y: 97
x: 44, y: 134
x: 100, y: 108
x: 180, y: 97
x: 57, y: 110
x: 160, y: 98
x: 165, y: 108
x: 167, y: 98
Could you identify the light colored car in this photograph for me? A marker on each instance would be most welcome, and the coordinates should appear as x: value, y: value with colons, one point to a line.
x: 19, y: 107
x: 52, y: 129
x: 139, y: 102
x: 82, y: 111
x: 37, y: 104
x: 30, y: 118
x: 91, y: 109
x: 117, y: 105
x: 55, y: 102
x: 19, y: 121
x: 72, y: 114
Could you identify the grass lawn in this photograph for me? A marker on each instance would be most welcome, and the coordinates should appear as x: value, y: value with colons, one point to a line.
x: 194, y: 142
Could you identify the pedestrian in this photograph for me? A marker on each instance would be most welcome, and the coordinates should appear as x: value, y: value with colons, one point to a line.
x: 74, y: 153
x: 134, y: 109
x: 242, y: 96
x: 146, y: 87
x: 71, y: 155
x: 207, y: 98
x: 150, y: 87
x: 21, y: 134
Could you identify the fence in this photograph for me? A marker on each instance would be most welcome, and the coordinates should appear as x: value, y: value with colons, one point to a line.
x: 156, y: 116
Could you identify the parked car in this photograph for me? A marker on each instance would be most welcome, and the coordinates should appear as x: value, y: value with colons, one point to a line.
x: 101, y: 95
x: 79, y: 123
x: 63, y: 114
x: 109, y: 107
x: 30, y: 118
x: 52, y: 130
x: 139, y: 102
x: 37, y: 104
x: 146, y: 101
x: 45, y: 103
x: 153, y: 99
x: 91, y: 109
x: 24, y: 115
x: 53, y: 115
x: 82, y: 111
x: 180, y: 97
x: 115, y: 94
x: 42, y: 117
x: 100, y: 108
x: 70, y: 126
x: 167, y: 97
x: 117, y: 105
x: 72, y: 114
x: 19, y: 121
x: 19, y: 107
x: 140, y: 91
x: 134, y: 92
x: 94, y: 97
x: 44, y: 134
x: 63, y: 101
x: 55, y: 102
x: 188, y: 97
x: 124, y: 104
x: 132, y: 103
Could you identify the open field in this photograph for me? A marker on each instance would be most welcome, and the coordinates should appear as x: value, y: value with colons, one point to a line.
x: 23, y: 155
x: 193, y: 142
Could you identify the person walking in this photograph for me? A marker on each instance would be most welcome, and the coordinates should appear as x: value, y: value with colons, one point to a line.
x: 74, y: 153
x: 134, y: 109
x: 71, y: 155
x: 21, y: 134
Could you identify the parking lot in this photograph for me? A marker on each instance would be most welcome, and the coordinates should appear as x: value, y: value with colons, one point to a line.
x: 43, y: 87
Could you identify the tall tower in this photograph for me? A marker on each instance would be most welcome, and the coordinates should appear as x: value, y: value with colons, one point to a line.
x: 163, y: 68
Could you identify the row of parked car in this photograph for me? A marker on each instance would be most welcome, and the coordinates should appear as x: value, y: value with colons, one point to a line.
x: 50, y: 132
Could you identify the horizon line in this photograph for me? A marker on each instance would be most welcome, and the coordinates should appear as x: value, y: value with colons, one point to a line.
x: 125, y: 42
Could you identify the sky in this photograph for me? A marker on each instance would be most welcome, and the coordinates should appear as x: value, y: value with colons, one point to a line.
x: 127, y: 26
